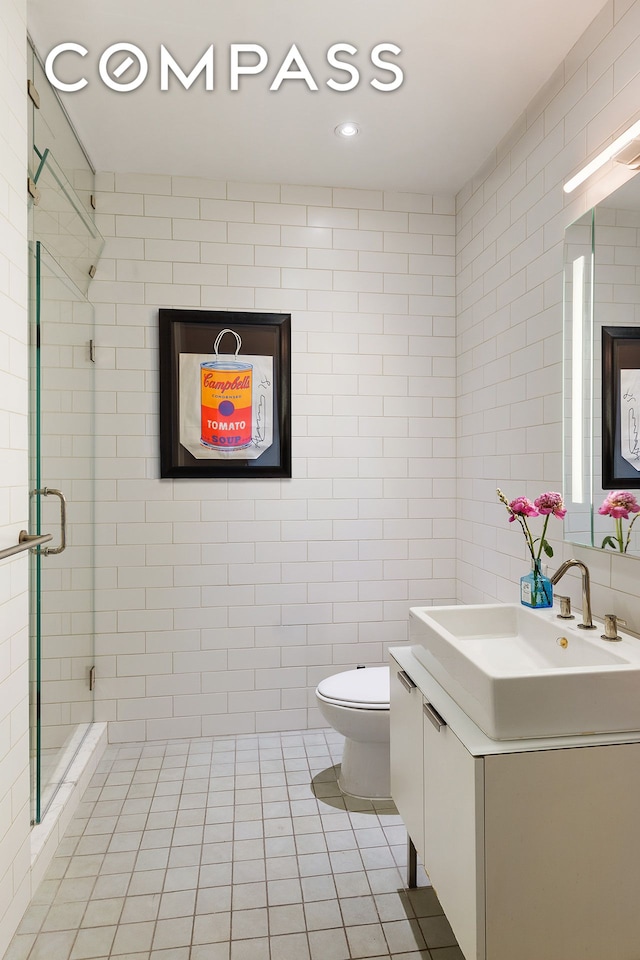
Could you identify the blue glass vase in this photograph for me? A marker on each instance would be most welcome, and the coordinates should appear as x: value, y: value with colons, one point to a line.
x: 536, y: 590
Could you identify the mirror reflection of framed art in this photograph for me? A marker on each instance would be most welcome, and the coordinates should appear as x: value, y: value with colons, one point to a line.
x: 620, y: 407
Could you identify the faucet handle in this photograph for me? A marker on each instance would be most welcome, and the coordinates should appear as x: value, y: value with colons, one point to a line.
x: 565, y: 608
x: 611, y: 622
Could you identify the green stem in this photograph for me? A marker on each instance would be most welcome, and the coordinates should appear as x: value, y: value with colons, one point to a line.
x: 527, y: 533
x: 619, y: 533
x: 628, y: 541
x: 544, y: 533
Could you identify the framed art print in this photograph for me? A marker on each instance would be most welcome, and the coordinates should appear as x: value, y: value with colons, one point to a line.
x: 225, y: 394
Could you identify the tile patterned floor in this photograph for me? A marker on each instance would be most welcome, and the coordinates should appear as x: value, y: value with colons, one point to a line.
x: 234, y: 848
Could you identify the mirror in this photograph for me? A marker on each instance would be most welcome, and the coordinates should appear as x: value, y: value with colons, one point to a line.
x: 601, y: 413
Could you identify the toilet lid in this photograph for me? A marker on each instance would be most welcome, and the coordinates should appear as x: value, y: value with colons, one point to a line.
x: 366, y: 689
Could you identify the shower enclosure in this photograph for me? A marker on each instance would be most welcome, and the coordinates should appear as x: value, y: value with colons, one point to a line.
x: 64, y: 248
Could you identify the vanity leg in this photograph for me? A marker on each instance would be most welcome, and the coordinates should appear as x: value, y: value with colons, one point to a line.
x: 412, y: 864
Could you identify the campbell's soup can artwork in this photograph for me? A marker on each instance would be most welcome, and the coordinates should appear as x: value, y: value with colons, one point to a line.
x: 226, y: 390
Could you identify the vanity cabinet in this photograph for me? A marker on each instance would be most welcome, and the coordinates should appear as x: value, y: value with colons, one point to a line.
x: 406, y: 752
x: 453, y: 809
x: 533, y: 847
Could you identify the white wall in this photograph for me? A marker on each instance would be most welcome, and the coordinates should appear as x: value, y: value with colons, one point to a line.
x: 510, y: 224
x: 222, y: 604
x: 317, y: 573
x: 14, y: 718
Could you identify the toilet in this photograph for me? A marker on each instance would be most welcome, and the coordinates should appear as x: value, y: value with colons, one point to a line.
x: 356, y: 704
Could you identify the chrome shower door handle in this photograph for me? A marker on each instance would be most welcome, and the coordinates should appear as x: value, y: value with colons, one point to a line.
x: 46, y: 492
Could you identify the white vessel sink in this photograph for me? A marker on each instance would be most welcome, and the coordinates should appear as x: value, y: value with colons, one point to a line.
x: 520, y: 673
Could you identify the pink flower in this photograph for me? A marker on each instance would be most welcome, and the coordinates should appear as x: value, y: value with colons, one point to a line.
x: 551, y: 503
x: 619, y: 503
x: 523, y: 507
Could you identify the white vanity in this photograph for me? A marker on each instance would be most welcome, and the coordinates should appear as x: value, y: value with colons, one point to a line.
x: 532, y: 845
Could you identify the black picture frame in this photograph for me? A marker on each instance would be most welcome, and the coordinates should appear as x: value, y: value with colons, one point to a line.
x: 620, y: 362
x: 195, y: 448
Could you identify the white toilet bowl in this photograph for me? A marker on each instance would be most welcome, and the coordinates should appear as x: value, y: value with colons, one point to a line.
x: 356, y: 704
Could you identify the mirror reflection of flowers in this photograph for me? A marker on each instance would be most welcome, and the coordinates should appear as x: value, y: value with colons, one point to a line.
x: 546, y: 505
x: 618, y: 505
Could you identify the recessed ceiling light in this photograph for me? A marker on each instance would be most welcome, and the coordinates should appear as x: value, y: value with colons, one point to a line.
x: 347, y: 129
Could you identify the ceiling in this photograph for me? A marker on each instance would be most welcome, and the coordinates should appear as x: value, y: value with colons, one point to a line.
x: 470, y: 68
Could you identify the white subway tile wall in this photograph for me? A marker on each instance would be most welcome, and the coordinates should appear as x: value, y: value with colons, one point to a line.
x: 510, y: 225
x: 221, y: 604
x: 15, y: 889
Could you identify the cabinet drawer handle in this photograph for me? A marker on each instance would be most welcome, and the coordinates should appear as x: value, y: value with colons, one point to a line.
x: 406, y: 681
x: 434, y: 717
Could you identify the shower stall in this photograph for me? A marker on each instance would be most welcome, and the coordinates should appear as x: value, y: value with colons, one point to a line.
x: 65, y: 246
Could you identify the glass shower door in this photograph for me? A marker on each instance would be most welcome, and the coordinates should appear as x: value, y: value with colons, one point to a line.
x: 61, y: 503
x: 65, y: 250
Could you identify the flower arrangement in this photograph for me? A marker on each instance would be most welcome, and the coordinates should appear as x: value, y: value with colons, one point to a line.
x: 618, y: 505
x: 546, y: 505
x: 536, y: 590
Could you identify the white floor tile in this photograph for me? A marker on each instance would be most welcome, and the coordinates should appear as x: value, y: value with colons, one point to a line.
x: 231, y: 848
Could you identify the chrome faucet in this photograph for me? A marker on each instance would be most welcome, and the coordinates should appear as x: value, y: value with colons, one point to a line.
x: 587, y: 622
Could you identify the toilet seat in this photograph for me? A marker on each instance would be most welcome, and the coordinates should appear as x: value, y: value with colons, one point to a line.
x: 365, y: 689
